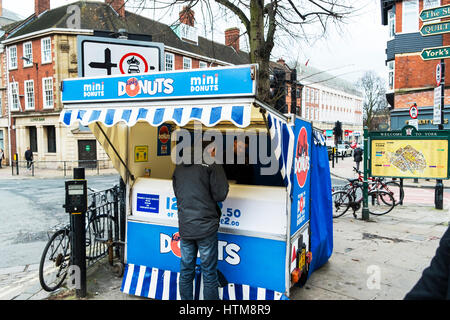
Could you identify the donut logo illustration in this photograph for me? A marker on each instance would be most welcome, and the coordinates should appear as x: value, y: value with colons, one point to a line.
x: 132, y: 87
x: 175, y: 244
x: 302, y: 158
x: 164, y: 134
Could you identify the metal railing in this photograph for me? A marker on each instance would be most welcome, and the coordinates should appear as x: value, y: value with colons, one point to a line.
x: 104, y: 226
x: 63, y: 168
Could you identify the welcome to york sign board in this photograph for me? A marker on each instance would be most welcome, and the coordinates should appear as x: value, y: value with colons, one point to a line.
x: 200, y: 83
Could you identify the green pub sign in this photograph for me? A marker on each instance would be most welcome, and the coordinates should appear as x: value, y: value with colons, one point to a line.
x: 435, y: 13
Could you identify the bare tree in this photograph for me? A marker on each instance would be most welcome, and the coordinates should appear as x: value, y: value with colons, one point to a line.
x: 375, y: 106
x: 268, y: 21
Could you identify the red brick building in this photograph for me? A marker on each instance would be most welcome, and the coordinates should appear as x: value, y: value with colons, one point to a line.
x: 411, y: 79
x: 41, y: 50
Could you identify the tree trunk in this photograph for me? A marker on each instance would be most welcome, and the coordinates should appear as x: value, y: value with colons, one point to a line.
x: 259, y: 48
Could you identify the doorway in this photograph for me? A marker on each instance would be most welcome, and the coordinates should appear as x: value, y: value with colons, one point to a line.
x: 87, y: 153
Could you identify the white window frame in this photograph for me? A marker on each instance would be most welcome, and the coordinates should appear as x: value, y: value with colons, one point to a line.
x: 427, y: 4
x: 45, y: 101
x: 27, y: 94
x: 12, y: 60
x: 391, y: 75
x: 391, y: 23
x: 410, y: 16
x: 185, y: 61
x: 14, y: 92
x: 202, y: 64
x: 169, y: 56
x: 46, y: 54
x: 27, y: 53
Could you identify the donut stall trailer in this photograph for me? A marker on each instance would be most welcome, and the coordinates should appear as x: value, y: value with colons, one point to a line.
x: 265, y: 235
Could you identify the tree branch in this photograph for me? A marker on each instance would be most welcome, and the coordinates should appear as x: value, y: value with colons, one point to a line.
x: 245, y: 21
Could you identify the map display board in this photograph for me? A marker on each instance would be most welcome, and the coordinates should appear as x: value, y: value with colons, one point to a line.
x: 410, y: 158
x: 409, y: 153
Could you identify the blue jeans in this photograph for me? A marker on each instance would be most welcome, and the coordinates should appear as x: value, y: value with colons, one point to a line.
x: 208, y: 248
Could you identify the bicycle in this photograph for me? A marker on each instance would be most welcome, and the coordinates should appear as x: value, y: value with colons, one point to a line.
x: 55, y: 260
x: 380, y: 202
x: 390, y: 186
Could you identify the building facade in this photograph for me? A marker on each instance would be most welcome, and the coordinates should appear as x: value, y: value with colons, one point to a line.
x: 411, y: 79
x: 326, y: 99
x: 41, y: 51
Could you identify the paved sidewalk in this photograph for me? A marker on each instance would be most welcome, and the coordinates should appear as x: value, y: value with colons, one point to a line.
x: 343, y: 169
x: 379, y: 259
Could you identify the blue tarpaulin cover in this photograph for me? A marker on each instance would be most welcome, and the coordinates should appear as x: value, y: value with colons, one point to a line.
x: 321, y: 222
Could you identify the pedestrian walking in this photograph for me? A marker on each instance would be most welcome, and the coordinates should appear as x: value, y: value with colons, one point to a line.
x: 357, y: 156
x: 198, y: 187
x: 2, y: 156
x: 29, y: 158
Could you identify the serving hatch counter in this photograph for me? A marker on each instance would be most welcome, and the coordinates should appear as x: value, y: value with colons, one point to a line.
x: 264, y: 234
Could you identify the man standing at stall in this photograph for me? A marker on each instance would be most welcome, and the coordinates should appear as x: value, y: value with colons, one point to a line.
x: 198, y: 187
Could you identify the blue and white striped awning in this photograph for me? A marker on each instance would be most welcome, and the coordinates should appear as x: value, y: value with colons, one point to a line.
x: 282, y: 136
x: 163, y: 285
x: 209, y: 115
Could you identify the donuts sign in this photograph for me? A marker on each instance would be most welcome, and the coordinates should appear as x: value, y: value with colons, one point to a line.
x: 133, y: 87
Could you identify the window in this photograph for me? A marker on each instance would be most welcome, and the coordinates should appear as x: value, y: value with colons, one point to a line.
x: 2, y: 142
x: 33, y: 139
x: 391, y: 74
x: 14, y: 91
x: 391, y: 23
x: 46, y: 48
x: 187, y: 63
x: 203, y: 64
x: 29, y: 94
x: 169, y: 61
x: 410, y: 19
x: 431, y: 3
x: 51, y: 139
x: 47, y: 92
x: 27, y: 54
x: 12, y: 57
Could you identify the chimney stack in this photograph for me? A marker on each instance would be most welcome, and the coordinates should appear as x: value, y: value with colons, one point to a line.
x: 281, y: 61
x: 40, y: 6
x: 232, y: 38
x: 187, y: 16
x: 118, y: 6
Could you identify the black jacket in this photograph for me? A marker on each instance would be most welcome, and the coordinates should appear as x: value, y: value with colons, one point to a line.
x: 198, y: 188
x: 435, y: 282
x: 357, y: 154
x: 28, y: 155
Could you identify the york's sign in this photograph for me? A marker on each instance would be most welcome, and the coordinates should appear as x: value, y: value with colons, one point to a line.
x: 435, y: 53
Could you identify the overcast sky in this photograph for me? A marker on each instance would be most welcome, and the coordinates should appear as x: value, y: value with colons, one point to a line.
x: 359, y: 46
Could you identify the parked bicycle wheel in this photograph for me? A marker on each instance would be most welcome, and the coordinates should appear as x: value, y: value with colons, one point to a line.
x: 380, y: 202
x: 99, y: 231
x: 397, y: 192
x: 341, y: 203
x: 55, y: 261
